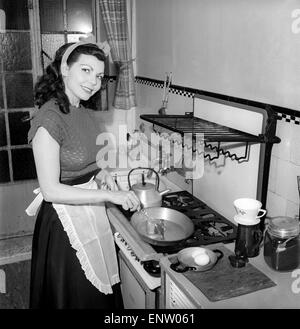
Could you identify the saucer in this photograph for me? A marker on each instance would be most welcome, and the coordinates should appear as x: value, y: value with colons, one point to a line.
x: 242, y: 221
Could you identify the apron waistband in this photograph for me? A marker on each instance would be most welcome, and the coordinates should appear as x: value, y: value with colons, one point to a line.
x: 32, y: 209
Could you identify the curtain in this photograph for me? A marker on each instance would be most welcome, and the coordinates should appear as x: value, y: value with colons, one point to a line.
x: 114, y: 13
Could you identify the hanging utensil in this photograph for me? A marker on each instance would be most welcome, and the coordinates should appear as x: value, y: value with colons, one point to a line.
x: 167, y: 83
x: 164, y: 94
x: 168, y: 89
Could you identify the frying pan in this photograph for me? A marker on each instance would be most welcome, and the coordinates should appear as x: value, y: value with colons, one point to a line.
x: 186, y: 261
x: 162, y: 226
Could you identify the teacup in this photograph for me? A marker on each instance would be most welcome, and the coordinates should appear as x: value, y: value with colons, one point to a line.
x: 249, y: 209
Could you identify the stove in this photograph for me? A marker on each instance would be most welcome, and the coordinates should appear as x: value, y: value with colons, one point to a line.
x: 210, y: 226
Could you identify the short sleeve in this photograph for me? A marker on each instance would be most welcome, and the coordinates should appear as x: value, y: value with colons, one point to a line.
x: 51, y: 121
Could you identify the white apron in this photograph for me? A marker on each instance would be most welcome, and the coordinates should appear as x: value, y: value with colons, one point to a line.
x: 89, y: 232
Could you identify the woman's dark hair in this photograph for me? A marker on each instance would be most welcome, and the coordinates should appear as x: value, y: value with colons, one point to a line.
x: 51, y: 85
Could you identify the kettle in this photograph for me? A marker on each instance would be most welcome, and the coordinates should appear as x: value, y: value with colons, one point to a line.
x: 147, y: 192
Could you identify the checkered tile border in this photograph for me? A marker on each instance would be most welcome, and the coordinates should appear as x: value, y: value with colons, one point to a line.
x: 288, y: 118
x: 189, y: 92
x: 173, y: 90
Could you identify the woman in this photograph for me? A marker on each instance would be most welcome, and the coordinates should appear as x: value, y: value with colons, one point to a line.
x: 74, y: 262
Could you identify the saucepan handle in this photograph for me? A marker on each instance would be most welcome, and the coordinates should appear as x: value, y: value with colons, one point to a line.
x: 180, y: 268
x: 221, y: 255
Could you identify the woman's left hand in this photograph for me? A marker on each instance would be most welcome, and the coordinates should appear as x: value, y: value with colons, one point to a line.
x: 107, y: 181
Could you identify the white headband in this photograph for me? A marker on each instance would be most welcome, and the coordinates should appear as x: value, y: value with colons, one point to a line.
x: 104, y: 46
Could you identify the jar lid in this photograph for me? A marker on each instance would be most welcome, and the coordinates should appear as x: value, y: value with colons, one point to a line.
x: 284, y: 227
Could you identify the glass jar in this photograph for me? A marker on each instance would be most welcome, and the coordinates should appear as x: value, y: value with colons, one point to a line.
x: 281, y: 244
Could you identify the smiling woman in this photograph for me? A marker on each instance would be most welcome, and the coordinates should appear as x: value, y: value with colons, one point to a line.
x: 74, y: 263
x: 83, y: 78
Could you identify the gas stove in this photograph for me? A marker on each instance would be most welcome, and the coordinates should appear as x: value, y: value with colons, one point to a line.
x: 210, y: 226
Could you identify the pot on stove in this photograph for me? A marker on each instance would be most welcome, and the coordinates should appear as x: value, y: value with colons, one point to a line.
x: 147, y: 192
x: 196, y: 259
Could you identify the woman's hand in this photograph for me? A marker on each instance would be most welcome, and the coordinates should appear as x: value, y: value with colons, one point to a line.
x: 127, y: 199
x: 106, y: 181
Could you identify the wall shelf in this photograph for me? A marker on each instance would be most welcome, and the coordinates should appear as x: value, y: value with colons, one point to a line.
x: 211, y: 132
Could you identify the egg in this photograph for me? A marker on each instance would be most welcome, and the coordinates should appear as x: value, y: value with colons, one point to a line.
x: 202, y: 259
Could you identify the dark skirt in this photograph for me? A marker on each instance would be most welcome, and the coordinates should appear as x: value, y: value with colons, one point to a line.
x: 57, y: 279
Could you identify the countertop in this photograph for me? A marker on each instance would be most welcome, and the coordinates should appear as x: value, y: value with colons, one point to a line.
x: 286, y: 293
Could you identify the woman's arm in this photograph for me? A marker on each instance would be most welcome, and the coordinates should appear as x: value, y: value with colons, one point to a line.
x: 46, y: 155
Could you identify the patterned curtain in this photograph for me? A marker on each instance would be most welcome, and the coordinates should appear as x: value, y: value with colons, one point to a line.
x: 114, y: 15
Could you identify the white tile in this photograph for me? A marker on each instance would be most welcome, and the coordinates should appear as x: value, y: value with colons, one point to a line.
x: 130, y: 119
x: 283, y: 178
x: 284, y: 132
x: 276, y: 205
x: 286, y: 180
x: 149, y: 97
x: 292, y: 171
x: 273, y: 174
x: 292, y: 209
x: 295, y: 144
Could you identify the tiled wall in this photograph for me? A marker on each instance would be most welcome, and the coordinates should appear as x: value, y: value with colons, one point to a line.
x: 283, y: 196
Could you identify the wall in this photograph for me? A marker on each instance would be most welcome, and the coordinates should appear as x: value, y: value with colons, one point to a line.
x: 245, y: 49
x: 14, y: 199
x: 236, y: 47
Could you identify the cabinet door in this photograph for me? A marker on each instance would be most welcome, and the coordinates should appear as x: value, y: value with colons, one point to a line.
x: 133, y: 294
x: 175, y: 298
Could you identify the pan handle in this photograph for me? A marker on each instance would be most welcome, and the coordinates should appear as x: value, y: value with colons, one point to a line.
x: 180, y: 268
x: 221, y: 255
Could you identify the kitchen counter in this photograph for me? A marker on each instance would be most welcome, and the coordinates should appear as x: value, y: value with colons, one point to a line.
x: 286, y: 293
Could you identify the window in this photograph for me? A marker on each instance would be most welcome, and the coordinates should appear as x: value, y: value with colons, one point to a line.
x: 16, y: 90
x: 60, y: 21
x: 64, y: 21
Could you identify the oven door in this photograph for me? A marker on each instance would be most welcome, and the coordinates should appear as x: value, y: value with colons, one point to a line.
x: 136, y: 294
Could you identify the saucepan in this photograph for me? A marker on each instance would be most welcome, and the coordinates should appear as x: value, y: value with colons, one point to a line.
x: 196, y: 259
x: 162, y: 226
